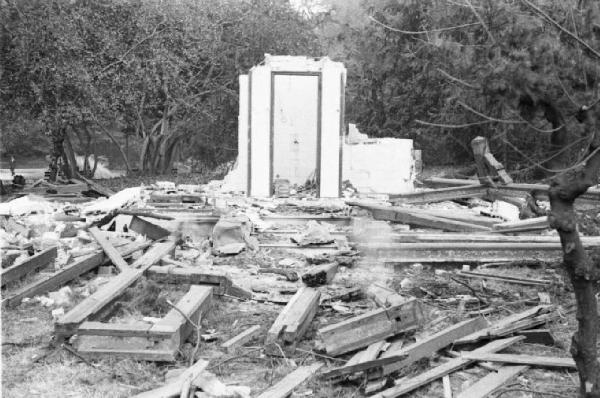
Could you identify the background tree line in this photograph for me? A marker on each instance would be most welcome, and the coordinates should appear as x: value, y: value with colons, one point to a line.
x: 162, y: 76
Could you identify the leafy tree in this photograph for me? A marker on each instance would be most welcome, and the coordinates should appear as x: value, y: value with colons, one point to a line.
x: 165, y: 72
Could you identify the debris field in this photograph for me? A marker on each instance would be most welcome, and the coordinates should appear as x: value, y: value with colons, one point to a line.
x: 188, y: 290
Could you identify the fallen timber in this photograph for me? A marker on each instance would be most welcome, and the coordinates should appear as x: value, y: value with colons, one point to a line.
x: 474, y: 190
x: 456, y: 251
x: 33, y: 263
x: 407, y: 216
x: 68, y: 273
x: 416, y: 237
x: 404, y: 386
x: 363, y: 330
x: 592, y: 194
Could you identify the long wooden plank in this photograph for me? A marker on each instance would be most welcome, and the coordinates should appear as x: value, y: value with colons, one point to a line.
x: 491, y: 382
x: 551, y: 362
x: 68, y: 273
x: 591, y: 194
x: 287, y: 385
x: 431, y: 344
x: 506, y: 279
x: 67, y: 324
x: 405, y: 216
x: 33, y: 263
x: 441, y: 195
x: 415, y: 237
x: 531, y: 224
x: 405, y: 386
x: 109, y: 249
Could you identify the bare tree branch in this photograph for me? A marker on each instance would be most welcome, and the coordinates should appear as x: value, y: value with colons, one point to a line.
x: 407, y: 32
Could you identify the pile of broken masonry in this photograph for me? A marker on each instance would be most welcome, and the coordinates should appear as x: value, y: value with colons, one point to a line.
x: 379, y: 297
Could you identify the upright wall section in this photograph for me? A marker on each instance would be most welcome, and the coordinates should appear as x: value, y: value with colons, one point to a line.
x: 264, y: 124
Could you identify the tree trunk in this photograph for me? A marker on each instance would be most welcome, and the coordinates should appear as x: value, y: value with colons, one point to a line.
x: 583, y: 271
x: 70, y: 162
x: 558, y: 138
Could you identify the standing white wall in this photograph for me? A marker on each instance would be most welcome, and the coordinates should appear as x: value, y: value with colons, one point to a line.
x: 264, y: 124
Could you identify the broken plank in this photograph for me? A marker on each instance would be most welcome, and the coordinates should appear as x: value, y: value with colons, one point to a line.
x: 108, y: 248
x: 550, y: 362
x: 407, y: 385
x: 406, y: 216
x: 194, y: 276
x: 287, y: 385
x: 294, y: 319
x: 68, y: 273
x: 174, y: 389
x: 362, y: 366
x: 67, y: 324
x: 147, y: 228
x: 33, y: 263
x: 430, y: 345
x: 363, y: 330
x: 447, y: 386
x: 247, y: 335
x: 441, y: 195
x: 531, y: 224
x: 320, y: 275
x: 491, y: 382
x: 193, y: 305
x: 501, y: 325
x: 503, y: 278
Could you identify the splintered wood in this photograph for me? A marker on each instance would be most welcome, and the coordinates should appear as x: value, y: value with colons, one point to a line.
x: 293, y: 321
x: 360, y: 331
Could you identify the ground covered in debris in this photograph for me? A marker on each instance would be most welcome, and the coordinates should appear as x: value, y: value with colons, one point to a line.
x: 351, y: 288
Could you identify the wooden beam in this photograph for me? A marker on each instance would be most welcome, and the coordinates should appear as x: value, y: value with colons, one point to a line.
x: 68, y: 273
x: 550, y: 362
x: 109, y: 249
x: 363, y: 330
x: 287, y: 385
x: 440, y: 195
x: 194, y: 276
x: 532, y: 224
x: 148, y: 229
x: 405, y: 386
x: 490, y: 383
x: 504, y: 278
x: 406, y: 216
x: 430, y: 345
x: 418, y: 237
x: 501, y: 325
x: 247, y: 335
x: 294, y: 320
x: 68, y: 323
x: 33, y: 263
x: 592, y: 194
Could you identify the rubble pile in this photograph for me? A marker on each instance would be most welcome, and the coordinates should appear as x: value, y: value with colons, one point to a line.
x: 387, y: 296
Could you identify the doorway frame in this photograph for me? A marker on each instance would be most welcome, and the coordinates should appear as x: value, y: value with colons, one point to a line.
x: 319, y: 76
